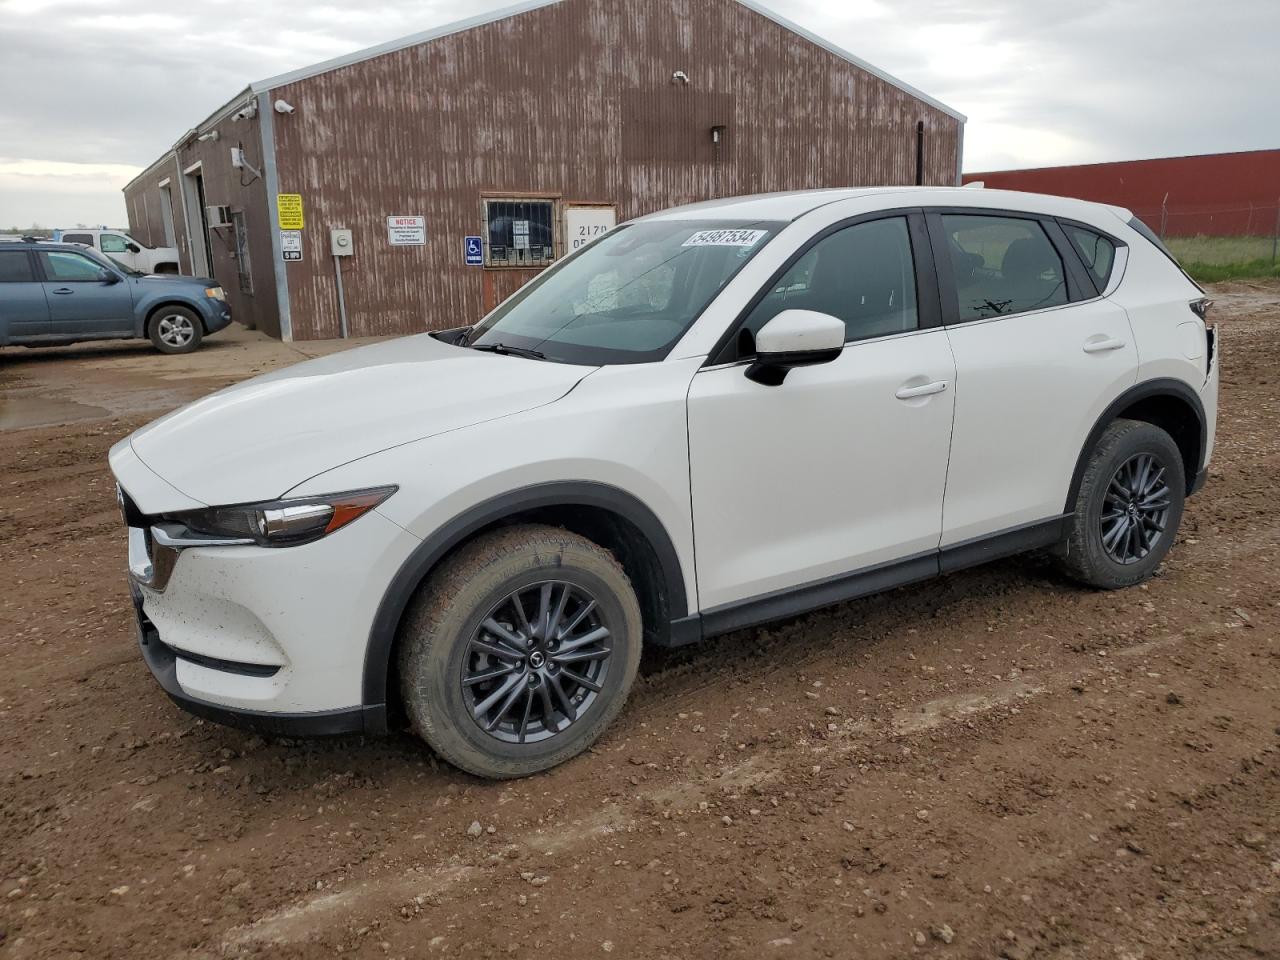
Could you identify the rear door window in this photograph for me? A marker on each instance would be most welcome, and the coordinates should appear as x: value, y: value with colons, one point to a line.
x: 62, y: 266
x: 1097, y: 252
x: 15, y: 267
x: 85, y: 238
x: 1002, y: 265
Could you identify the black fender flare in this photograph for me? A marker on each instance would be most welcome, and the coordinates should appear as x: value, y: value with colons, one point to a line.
x: 1162, y: 387
x: 570, y: 493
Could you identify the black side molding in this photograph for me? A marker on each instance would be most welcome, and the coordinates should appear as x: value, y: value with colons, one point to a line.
x: 795, y: 601
x: 1020, y: 539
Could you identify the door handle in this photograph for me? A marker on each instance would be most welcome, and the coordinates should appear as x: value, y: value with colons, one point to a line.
x: 64, y: 290
x: 910, y: 393
x: 1103, y: 345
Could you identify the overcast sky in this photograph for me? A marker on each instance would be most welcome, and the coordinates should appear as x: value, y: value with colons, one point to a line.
x: 96, y: 89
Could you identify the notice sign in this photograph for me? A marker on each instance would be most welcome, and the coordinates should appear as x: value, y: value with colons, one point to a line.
x: 520, y: 234
x: 584, y: 224
x: 406, y: 231
x: 473, y: 250
x: 289, y: 207
x: 291, y: 244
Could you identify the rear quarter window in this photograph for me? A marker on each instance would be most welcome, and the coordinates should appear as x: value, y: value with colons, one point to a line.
x: 1097, y: 252
x: 15, y: 267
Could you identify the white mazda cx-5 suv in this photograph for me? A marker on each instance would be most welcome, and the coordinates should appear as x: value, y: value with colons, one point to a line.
x: 708, y: 418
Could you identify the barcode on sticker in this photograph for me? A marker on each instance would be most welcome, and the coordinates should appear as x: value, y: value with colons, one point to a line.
x: 725, y: 238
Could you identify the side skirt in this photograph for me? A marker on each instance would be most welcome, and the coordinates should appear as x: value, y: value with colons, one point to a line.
x: 795, y: 601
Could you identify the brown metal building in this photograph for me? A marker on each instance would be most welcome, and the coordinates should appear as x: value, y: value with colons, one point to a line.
x: 529, y: 128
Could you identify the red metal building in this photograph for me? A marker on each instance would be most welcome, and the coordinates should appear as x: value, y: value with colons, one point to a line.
x: 1214, y: 194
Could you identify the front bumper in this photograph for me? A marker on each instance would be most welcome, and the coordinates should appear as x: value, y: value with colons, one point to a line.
x: 270, y: 639
x: 162, y: 661
x: 216, y: 315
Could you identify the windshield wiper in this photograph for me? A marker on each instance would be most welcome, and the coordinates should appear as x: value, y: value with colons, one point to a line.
x: 506, y: 351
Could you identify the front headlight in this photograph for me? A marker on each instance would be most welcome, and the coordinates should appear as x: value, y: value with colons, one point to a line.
x: 284, y: 523
x: 215, y: 293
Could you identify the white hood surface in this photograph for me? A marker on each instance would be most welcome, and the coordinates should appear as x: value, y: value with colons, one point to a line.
x: 259, y: 439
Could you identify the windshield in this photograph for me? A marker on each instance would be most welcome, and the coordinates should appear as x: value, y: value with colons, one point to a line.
x: 112, y: 262
x: 629, y: 296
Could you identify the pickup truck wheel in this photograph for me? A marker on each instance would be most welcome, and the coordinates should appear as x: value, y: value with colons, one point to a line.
x: 519, y: 650
x: 1128, y: 508
x: 175, y: 330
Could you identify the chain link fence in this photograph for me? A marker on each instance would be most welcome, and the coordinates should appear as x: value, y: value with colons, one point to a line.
x: 1218, y: 235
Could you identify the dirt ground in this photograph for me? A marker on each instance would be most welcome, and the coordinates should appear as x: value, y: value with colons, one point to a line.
x: 997, y: 764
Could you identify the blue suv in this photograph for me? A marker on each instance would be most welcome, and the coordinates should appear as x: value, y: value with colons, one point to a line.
x: 57, y: 293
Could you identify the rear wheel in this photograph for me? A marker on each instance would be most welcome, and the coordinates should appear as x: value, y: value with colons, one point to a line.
x: 519, y: 650
x: 1129, y: 506
x: 175, y: 330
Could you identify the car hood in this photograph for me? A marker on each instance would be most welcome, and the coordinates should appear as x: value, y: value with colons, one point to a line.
x: 260, y: 438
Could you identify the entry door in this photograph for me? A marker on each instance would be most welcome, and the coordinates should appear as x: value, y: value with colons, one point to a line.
x: 24, y: 312
x: 80, y: 304
x: 841, y: 467
x: 1038, y: 359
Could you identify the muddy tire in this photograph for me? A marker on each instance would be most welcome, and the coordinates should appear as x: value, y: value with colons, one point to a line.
x: 1128, y: 509
x: 519, y: 650
x: 174, y: 330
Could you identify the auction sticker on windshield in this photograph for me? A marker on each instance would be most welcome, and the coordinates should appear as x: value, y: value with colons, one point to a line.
x: 725, y: 238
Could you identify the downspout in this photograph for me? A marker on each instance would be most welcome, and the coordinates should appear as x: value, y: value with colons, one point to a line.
x: 266, y: 119
x: 960, y: 155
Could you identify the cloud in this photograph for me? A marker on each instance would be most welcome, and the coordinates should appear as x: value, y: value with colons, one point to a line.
x: 115, y: 82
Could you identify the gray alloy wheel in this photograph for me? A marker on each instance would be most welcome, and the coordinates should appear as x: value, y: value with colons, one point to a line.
x: 537, y: 662
x: 518, y: 650
x: 175, y: 330
x: 1129, y: 506
x: 1135, y: 509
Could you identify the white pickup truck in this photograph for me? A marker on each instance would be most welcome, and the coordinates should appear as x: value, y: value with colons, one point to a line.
x: 121, y: 247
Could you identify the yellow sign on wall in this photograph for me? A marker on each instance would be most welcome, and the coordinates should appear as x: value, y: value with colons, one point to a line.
x: 289, y: 206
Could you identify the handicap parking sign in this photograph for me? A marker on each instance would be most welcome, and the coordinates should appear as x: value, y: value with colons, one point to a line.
x: 474, y: 249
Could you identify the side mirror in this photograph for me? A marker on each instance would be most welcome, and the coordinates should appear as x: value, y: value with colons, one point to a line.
x: 795, y: 338
x: 133, y: 248
x: 106, y: 276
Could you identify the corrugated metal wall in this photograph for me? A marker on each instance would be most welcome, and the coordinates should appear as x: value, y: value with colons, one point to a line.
x: 1221, y: 194
x: 223, y: 184
x: 573, y: 101
x: 143, y: 200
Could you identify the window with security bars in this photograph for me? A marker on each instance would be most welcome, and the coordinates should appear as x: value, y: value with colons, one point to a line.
x: 520, y: 233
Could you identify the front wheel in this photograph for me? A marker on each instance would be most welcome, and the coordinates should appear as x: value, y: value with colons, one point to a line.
x: 1129, y: 506
x: 519, y: 650
x: 175, y: 330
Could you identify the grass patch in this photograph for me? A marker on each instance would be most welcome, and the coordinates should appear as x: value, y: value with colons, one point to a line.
x: 1214, y: 259
x: 1217, y: 272
x: 1220, y: 250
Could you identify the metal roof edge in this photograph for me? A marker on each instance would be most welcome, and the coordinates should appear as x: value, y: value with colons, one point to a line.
x: 210, y: 120
x: 846, y: 55
x: 167, y: 155
x: 391, y: 46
